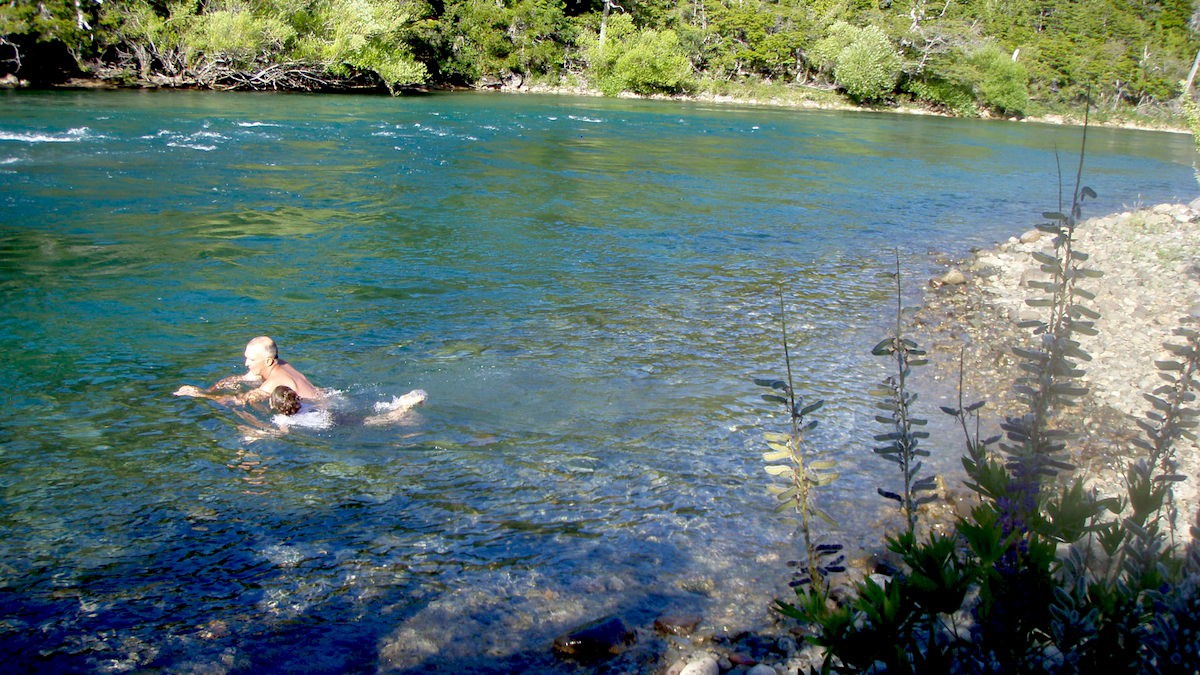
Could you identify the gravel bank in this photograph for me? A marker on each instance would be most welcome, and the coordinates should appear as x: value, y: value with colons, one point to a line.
x: 1150, y: 260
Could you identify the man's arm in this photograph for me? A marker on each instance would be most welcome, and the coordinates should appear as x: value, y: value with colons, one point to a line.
x: 233, y: 381
x: 223, y: 399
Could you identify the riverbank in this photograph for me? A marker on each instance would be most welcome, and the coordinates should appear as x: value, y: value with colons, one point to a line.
x: 811, y: 98
x: 1150, y: 259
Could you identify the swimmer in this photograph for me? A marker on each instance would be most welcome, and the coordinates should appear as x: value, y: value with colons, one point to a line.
x: 291, y: 411
x: 285, y: 400
x: 264, y: 371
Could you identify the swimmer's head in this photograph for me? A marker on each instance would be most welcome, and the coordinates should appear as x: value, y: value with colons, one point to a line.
x: 285, y: 400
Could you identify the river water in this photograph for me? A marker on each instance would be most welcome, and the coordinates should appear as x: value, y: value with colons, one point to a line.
x: 586, y: 288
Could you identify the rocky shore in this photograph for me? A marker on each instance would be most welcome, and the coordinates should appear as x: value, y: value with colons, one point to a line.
x: 1150, y: 260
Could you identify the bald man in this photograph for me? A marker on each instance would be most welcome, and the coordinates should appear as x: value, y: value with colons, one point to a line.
x: 264, y: 371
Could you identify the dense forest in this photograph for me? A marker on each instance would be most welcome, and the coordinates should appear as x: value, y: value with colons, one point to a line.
x: 1008, y: 57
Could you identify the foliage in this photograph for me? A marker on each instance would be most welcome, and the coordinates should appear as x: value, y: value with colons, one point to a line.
x: 643, y: 61
x: 1003, y: 81
x: 73, y: 23
x: 1191, y: 114
x: 1010, y: 57
x: 743, y: 39
x: 236, y: 35
x: 363, y: 35
x: 487, y: 39
x: 790, y: 457
x: 901, y: 443
x: 862, y: 60
x: 950, y: 95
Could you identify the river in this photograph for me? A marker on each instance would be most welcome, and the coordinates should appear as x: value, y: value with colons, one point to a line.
x: 585, y: 287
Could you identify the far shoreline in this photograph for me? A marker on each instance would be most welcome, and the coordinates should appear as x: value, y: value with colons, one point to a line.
x: 812, y: 104
x: 797, y: 102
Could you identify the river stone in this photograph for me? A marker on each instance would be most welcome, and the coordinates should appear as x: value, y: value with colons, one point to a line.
x: 761, y: 669
x: 704, y: 665
x: 676, y: 624
x: 598, y: 639
x: 1031, y: 236
x: 954, y: 277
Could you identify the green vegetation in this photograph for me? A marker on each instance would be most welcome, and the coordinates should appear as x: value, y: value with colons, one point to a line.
x: 1043, y: 575
x: 969, y: 57
x: 795, y: 460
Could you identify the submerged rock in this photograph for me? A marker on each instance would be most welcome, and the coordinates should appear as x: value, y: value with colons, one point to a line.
x: 675, y: 624
x: 953, y: 277
x: 598, y: 639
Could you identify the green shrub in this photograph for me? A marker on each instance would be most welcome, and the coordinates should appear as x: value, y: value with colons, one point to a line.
x: 955, y: 97
x: 869, y: 67
x: 863, y: 62
x: 1003, y: 83
x: 366, y: 35
x: 235, y: 35
x: 642, y: 61
x: 823, y: 55
x: 489, y: 39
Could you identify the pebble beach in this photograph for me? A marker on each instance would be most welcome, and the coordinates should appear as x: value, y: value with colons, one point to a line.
x: 1150, y: 262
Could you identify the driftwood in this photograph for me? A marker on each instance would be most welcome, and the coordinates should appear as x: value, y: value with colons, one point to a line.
x: 291, y: 76
x: 156, y: 69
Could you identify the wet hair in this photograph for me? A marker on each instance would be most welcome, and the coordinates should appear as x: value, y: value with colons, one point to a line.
x: 285, y: 400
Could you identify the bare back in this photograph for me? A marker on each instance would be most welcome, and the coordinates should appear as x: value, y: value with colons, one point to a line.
x: 285, y: 375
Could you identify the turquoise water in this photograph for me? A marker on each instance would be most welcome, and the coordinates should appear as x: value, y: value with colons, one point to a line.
x: 586, y: 289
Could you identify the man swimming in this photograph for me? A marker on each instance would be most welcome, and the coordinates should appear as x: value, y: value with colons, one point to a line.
x: 264, y: 370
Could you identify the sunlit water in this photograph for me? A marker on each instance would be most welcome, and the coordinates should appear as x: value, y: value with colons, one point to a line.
x: 585, y: 287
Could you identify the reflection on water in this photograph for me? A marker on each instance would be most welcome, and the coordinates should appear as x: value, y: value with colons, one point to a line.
x: 586, y: 289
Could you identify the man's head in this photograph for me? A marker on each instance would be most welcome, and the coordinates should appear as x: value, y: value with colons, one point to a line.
x: 285, y: 400
x: 261, y: 354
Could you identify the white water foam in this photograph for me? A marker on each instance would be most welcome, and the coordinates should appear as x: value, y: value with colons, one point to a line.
x: 70, y: 136
x: 308, y: 417
x: 405, y: 401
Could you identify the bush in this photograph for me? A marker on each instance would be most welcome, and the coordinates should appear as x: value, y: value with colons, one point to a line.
x: 1004, y: 83
x: 823, y: 55
x: 642, y: 61
x: 487, y: 39
x: 235, y: 35
x: 863, y: 62
x: 869, y: 68
x: 366, y: 35
x: 955, y: 97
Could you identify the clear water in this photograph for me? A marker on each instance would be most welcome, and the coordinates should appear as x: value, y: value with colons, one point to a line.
x: 585, y: 287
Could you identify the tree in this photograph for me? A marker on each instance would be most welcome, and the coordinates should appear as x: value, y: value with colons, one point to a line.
x: 863, y: 61
x: 643, y: 61
x: 36, y: 33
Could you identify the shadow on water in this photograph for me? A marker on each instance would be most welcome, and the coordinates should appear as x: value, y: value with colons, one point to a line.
x: 361, y: 571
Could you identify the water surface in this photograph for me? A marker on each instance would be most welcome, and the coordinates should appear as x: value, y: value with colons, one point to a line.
x: 585, y: 287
